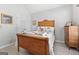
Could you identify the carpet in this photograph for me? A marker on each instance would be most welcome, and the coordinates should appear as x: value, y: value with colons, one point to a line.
x: 3, y: 53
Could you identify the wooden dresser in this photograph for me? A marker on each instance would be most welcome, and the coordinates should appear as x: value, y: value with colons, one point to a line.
x: 72, y: 36
x: 34, y: 44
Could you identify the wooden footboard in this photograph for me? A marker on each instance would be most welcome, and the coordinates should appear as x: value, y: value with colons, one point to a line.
x: 37, y: 45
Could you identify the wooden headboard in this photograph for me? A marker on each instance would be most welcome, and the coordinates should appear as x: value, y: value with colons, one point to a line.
x: 47, y: 23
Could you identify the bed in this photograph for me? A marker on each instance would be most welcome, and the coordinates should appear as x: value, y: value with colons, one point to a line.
x: 38, y: 42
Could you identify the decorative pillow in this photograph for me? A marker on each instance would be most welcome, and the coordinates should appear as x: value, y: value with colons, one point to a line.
x: 46, y: 29
x: 34, y: 28
x: 41, y: 29
x: 50, y: 29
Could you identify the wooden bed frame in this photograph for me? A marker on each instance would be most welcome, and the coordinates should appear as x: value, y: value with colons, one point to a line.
x: 35, y: 44
x: 46, y: 23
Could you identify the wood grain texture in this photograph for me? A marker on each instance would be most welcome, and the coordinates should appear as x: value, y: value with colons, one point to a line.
x: 72, y: 36
x: 47, y: 23
x: 66, y: 29
x: 33, y: 45
x: 78, y: 40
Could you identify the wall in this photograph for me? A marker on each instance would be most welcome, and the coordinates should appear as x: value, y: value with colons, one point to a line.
x: 33, y: 8
x: 60, y: 15
x: 75, y: 14
x: 21, y: 19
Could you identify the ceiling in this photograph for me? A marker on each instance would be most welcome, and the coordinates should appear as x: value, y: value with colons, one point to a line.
x: 33, y: 8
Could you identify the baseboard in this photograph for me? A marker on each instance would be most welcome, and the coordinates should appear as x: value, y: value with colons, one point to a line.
x: 6, y: 45
x: 59, y: 41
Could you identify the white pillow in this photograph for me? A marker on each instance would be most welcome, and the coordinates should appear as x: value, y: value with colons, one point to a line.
x: 45, y: 34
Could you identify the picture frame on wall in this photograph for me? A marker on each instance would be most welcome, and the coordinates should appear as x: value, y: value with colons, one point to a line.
x: 6, y: 19
x: 34, y: 25
x: 34, y: 22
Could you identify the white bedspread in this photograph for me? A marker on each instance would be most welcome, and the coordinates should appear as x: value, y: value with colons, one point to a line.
x: 51, y: 37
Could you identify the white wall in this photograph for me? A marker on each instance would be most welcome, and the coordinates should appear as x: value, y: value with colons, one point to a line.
x: 33, y: 8
x: 21, y: 19
x: 76, y: 14
x: 60, y: 15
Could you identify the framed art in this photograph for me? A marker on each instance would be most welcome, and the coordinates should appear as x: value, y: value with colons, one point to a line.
x: 6, y: 19
x: 34, y: 22
x: 34, y: 25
